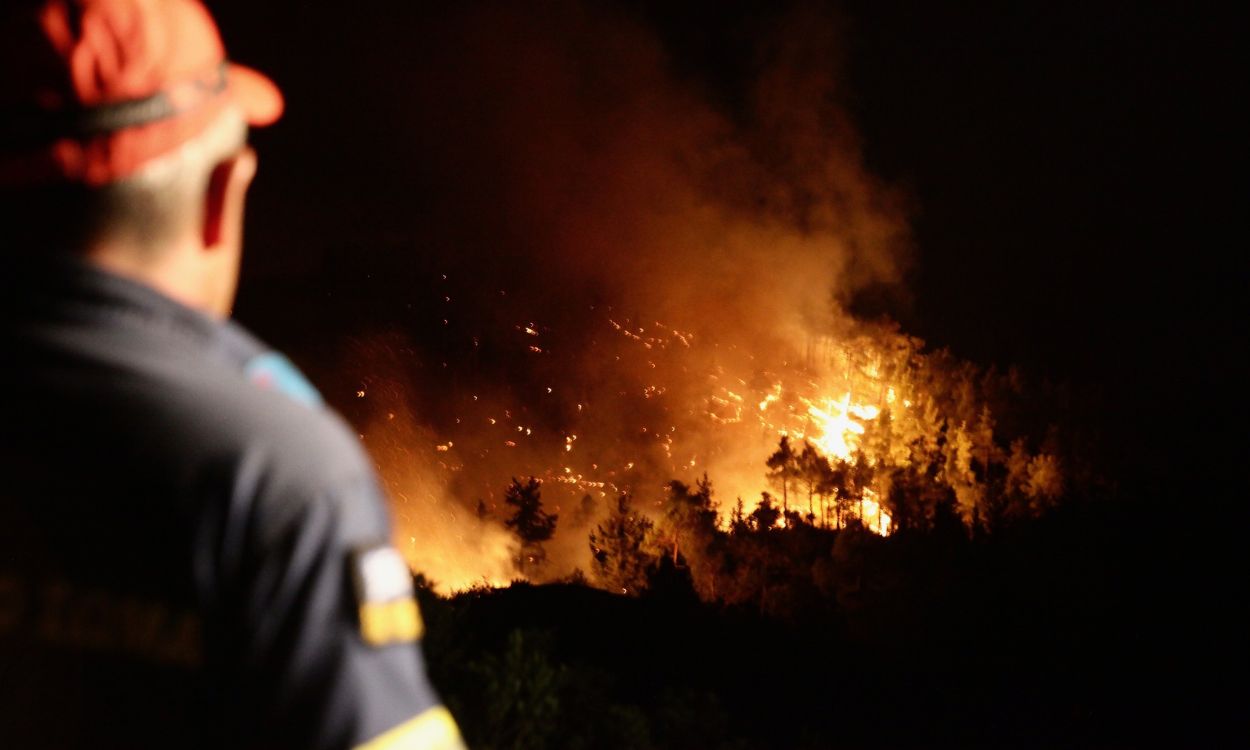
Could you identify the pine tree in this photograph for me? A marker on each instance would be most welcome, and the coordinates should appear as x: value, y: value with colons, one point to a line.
x: 765, y: 515
x: 689, y: 514
x: 813, y: 470
x: 737, y: 519
x: 862, y: 474
x: 531, y: 524
x: 783, y: 467
x: 842, y: 484
x: 622, y: 550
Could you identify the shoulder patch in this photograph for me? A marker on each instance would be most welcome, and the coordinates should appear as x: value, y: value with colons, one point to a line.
x: 384, y: 599
x: 273, y: 371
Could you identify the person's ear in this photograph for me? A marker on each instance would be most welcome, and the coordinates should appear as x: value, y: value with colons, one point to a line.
x: 224, y: 199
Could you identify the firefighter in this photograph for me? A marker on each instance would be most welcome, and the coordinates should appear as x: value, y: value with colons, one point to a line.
x: 193, y: 549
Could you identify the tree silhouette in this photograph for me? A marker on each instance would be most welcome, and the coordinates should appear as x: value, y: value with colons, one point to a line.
x: 908, y: 498
x: 689, y: 515
x: 842, y: 481
x: 765, y: 515
x: 783, y: 468
x: 621, y: 548
x: 810, y: 466
x: 737, y: 519
x: 531, y: 524
x: 862, y: 474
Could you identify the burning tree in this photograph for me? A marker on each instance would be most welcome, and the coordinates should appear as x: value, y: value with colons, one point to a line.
x: 531, y: 524
x: 622, y: 550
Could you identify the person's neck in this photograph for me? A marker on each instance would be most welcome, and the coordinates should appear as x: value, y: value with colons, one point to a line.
x: 172, y: 271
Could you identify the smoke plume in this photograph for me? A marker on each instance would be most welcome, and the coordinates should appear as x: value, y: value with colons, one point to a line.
x: 611, y: 261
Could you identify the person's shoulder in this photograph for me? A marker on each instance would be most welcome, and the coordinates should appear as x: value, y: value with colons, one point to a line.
x: 225, y: 415
x: 292, y: 463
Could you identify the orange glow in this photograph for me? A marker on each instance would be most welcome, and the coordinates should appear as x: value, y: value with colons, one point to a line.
x: 838, y: 425
x: 671, y: 406
x: 874, y: 516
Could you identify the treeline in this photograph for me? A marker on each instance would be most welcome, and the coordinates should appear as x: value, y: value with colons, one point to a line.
x: 795, y: 552
x: 1057, y: 631
x: 773, y: 560
x: 1001, y: 445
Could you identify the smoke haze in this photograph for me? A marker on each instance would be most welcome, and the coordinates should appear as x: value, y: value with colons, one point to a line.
x: 605, y: 261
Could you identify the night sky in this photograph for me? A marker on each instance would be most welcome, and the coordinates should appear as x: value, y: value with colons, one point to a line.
x: 1068, y: 172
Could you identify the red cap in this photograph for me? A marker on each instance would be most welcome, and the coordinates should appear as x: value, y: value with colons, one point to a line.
x: 92, y: 90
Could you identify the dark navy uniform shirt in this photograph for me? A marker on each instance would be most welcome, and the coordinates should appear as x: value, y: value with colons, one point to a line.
x: 193, y: 550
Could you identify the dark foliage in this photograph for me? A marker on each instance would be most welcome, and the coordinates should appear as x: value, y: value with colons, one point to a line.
x: 621, y: 550
x: 531, y: 524
x: 1070, y: 630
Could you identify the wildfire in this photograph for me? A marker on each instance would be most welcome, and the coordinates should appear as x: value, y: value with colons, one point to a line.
x: 730, y: 438
x: 674, y: 407
x: 873, y: 516
x: 839, y: 423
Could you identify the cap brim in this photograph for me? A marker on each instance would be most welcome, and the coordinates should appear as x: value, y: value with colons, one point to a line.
x: 259, y: 97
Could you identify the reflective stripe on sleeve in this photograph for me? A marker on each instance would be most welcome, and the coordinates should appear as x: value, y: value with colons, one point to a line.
x: 433, y: 729
x: 391, y: 622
